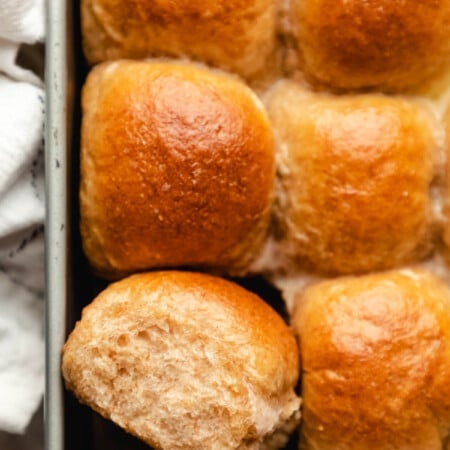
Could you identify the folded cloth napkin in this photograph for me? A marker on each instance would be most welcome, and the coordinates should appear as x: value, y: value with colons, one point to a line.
x: 21, y: 218
x: 22, y: 20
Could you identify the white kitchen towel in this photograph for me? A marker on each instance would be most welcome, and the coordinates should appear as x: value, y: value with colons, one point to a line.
x: 8, y: 66
x: 21, y: 365
x: 22, y: 20
x: 22, y: 210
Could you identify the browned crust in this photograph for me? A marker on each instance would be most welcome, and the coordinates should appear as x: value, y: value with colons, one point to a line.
x: 177, y: 168
x: 376, y: 359
x: 385, y: 44
x: 446, y: 202
x: 235, y: 35
x: 354, y: 178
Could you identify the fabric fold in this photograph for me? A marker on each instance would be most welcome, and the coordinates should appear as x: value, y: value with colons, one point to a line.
x: 22, y: 211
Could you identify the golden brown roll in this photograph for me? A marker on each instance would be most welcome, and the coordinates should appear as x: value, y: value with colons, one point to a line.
x: 446, y: 202
x: 235, y: 35
x: 385, y: 44
x: 376, y: 363
x: 354, y: 174
x: 177, y: 168
x: 186, y: 361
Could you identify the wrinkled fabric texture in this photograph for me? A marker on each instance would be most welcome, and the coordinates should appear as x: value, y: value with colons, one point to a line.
x: 22, y: 211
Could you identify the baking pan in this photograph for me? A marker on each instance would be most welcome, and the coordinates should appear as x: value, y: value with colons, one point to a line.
x: 57, y: 152
x: 70, y: 286
x: 68, y: 425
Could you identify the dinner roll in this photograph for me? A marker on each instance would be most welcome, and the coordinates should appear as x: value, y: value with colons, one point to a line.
x: 177, y: 168
x: 384, y: 44
x: 354, y: 174
x: 376, y: 363
x: 446, y: 202
x: 235, y: 35
x: 186, y: 361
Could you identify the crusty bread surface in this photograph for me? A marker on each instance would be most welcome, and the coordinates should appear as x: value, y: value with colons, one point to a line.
x: 376, y: 362
x: 236, y: 35
x: 177, y: 168
x: 186, y: 361
x: 388, y: 45
x: 446, y: 202
x: 354, y: 176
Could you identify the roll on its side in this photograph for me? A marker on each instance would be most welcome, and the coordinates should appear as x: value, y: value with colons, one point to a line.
x: 383, y: 44
x: 184, y: 360
x: 177, y: 168
x: 376, y: 360
x: 354, y: 175
x: 235, y: 35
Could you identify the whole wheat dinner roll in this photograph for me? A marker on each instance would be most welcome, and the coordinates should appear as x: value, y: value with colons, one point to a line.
x: 186, y: 361
x: 235, y: 35
x: 354, y: 174
x: 446, y: 202
x: 177, y: 168
x: 391, y: 45
x: 376, y: 363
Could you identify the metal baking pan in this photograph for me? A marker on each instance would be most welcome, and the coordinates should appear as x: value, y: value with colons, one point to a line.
x: 70, y: 286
